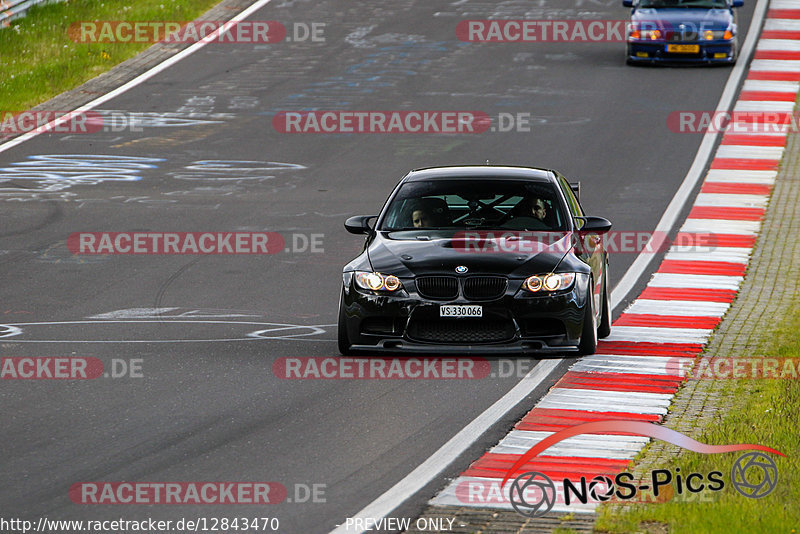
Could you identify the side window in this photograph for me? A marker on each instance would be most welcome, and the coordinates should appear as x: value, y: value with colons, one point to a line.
x: 574, y: 206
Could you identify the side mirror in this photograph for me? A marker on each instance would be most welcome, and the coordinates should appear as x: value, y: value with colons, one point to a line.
x: 629, y: 3
x: 359, y: 224
x: 737, y: 3
x: 595, y: 224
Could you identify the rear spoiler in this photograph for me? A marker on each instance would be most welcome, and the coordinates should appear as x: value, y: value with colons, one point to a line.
x: 576, y: 188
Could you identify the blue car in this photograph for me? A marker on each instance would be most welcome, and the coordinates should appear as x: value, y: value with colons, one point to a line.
x: 682, y: 31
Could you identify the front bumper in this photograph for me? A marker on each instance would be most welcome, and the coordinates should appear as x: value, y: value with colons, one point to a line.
x: 517, y: 322
x: 710, y: 52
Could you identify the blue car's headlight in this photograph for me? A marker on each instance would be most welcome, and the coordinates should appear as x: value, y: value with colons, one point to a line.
x: 716, y: 35
x: 644, y: 35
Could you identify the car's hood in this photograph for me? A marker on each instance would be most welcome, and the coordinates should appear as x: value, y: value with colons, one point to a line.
x: 693, y: 19
x: 408, y: 254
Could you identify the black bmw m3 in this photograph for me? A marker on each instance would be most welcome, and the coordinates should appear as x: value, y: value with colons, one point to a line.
x: 487, y: 258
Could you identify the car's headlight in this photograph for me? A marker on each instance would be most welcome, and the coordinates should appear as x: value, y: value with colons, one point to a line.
x: 549, y: 282
x: 377, y: 281
x: 714, y: 35
x: 645, y: 35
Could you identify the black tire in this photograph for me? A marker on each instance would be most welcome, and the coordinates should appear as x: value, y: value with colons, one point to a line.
x: 604, y: 330
x: 344, y: 340
x: 588, y: 344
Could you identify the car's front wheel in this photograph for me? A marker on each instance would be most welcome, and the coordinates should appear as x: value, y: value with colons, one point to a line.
x: 345, y: 347
x: 588, y: 344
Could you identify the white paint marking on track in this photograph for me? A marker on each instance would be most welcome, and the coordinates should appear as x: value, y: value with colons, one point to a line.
x: 583, y: 446
x: 775, y: 65
x: 763, y: 105
x: 721, y: 226
x: 658, y: 334
x: 710, y: 253
x: 731, y: 200
x: 779, y: 44
x: 776, y: 86
x: 678, y: 307
x: 740, y: 176
x: 785, y: 4
x: 750, y: 152
x: 592, y: 400
x: 782, y: 24
x: 695, y: 281
x: 623, y: 363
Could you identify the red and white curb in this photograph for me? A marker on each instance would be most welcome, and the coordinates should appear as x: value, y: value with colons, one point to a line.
x: 640, y: 366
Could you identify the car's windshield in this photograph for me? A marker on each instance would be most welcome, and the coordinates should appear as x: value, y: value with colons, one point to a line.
x: 475, y: 204
x: 706, y: 4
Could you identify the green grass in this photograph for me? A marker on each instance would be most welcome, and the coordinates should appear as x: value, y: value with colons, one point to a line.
x: 38, y: 60
x: 767, y: 414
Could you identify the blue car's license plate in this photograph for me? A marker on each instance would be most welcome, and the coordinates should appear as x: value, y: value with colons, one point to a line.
x: 683, y: 48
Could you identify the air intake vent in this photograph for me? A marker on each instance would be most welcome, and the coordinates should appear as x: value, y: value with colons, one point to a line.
x: 438, y: 287
x: 484, y: 287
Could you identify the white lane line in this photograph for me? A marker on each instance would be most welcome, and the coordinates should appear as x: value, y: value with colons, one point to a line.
x: 777, y: 86
x: 694, y: 308
x: 167, y: 63
x: 701, y: 159
x: 764, y: 105
x: 741, y: 176
x: 447, y: 453
x: 694, y: 281
x: 721, y: 226
x: 750, y: 152
x: 657, y: 334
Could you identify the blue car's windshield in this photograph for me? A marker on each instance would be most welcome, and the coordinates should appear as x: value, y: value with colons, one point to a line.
x: 706, y: 4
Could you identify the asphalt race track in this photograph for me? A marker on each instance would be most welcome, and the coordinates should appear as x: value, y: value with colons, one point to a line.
x: 205, y: 404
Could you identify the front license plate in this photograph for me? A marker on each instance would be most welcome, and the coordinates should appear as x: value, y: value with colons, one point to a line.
x: 461, y: 310
x: 683, y: 48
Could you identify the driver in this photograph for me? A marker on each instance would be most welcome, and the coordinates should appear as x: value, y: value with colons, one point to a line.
x: 420, y: 218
